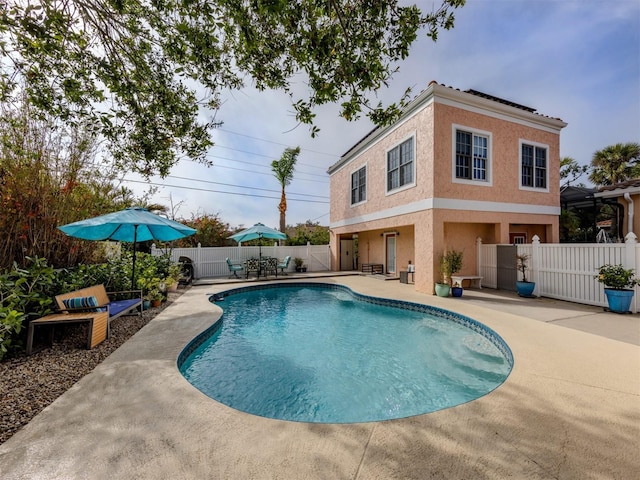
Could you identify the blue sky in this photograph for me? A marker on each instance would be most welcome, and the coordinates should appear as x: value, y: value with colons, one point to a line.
x: 576, y: 60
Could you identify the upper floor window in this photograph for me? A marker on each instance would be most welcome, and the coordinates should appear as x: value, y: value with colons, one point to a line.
x: 471, y: 156
x: 400, y: 165
x: 533, y: 165
x: 472, y: 160
x: 359, y: 185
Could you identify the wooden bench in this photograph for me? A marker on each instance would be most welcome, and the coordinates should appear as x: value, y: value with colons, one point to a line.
x: 474, y: 280
x: 98, y: 317
x: 372, y: 268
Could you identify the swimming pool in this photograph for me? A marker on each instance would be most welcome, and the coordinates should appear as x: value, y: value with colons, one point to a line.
x: 321, y: 353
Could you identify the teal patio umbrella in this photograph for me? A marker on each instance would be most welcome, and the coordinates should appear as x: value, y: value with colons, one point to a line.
x: 133, y: 224
x: 258, y: 231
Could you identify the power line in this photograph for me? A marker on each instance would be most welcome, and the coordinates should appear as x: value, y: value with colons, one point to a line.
x: 218, y: 191
x: 242, y: 186
x: 257, y: 165
x: 278, y: 143
x: 269, y: 174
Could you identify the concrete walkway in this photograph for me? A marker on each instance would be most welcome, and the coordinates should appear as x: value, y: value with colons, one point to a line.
x: 569, y: 410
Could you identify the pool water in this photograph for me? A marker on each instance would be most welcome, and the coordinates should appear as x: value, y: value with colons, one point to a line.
x: 326, y: 355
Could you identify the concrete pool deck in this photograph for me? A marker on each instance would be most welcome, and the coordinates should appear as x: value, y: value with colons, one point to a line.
x: 570, y: 409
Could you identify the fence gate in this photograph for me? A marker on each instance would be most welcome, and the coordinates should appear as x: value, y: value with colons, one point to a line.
x: 346, y: 255
x: 506, y: 267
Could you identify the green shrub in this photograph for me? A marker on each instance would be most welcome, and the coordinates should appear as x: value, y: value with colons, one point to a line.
x: 25, y: 294
x: 28, y: 293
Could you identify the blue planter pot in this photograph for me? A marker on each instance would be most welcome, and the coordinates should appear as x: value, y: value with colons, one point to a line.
x: 525, y: 289
x: 619, y: 300
x: 456, y: 291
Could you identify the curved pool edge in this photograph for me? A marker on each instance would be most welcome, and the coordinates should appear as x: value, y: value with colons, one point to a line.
x: 463, y: 320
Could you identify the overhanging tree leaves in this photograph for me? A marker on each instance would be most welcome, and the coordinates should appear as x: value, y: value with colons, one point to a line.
x: 138, y: 69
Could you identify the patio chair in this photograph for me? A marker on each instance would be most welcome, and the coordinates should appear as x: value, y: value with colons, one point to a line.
x: 252, y: 265
x: 271, y: 266
x: 234, y: 268
x: 284, y: 265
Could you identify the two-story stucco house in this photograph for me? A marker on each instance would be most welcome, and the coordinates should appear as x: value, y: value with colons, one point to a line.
x: 457, y: 166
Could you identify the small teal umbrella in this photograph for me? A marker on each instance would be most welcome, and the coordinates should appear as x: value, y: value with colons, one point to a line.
x: 133, y: 224
x: 258, y: 231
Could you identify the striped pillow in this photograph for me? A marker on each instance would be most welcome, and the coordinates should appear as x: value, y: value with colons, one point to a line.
x: 80, y: 302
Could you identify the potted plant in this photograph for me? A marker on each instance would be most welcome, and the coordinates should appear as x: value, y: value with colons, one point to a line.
x: 173, y: 275
x: 450, y: 264
x: 525, y: 288
x: 619, y: 283
x: 155, y: 297
x: 298, y: 262
x: 150, y: 284
x: 456, y: 289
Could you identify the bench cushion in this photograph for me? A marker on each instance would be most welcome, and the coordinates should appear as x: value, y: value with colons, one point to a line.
x: 81, y: 302
x: 120, y: 306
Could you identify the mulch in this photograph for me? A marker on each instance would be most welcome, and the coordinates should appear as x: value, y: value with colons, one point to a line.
x: 28, y: 384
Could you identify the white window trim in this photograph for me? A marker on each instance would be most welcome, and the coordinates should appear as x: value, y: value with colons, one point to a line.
x: 481, y: 183
x: 534, y: 144
x: 386, y: 171
x: 366, y: 193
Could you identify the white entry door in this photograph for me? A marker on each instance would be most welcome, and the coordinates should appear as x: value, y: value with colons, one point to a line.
x: 390, y: 240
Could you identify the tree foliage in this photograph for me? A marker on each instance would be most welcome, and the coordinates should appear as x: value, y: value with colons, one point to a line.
x: 139, y: 72
x: 308, y: 232
x: 615, y: 163
x: 571, y: 171
x: 49, y: 176
x: 211, y: 232
x: 283, y: 170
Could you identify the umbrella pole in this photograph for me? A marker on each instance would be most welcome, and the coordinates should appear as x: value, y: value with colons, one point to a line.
x: 133, y: 270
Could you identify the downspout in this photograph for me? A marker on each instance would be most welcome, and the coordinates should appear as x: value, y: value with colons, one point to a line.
x: 627, y: 197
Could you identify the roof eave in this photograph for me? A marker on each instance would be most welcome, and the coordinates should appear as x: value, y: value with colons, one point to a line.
x: 437, y: 91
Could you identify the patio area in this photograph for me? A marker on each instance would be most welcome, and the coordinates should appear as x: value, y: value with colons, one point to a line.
x: 570, y: 408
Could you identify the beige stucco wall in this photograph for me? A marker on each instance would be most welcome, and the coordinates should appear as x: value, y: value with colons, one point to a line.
x: 421, y: 125
x: 505, y: 151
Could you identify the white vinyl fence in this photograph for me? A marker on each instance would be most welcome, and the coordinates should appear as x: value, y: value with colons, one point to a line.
x: 211, y: 261
x: 567, y: 271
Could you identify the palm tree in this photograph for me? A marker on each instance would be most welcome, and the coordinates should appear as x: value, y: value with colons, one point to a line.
x: 615, y: 163
x: 283, y: 171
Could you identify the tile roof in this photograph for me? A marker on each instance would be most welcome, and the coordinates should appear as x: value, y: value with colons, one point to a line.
x: 635, y: 182
x: 500, y: 100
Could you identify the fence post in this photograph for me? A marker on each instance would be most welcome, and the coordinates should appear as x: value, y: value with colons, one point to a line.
x: 308, y: 254
x: 196, y: 267
x: 535, y: 265
x: 630, y: 261
x: 479, y: 256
